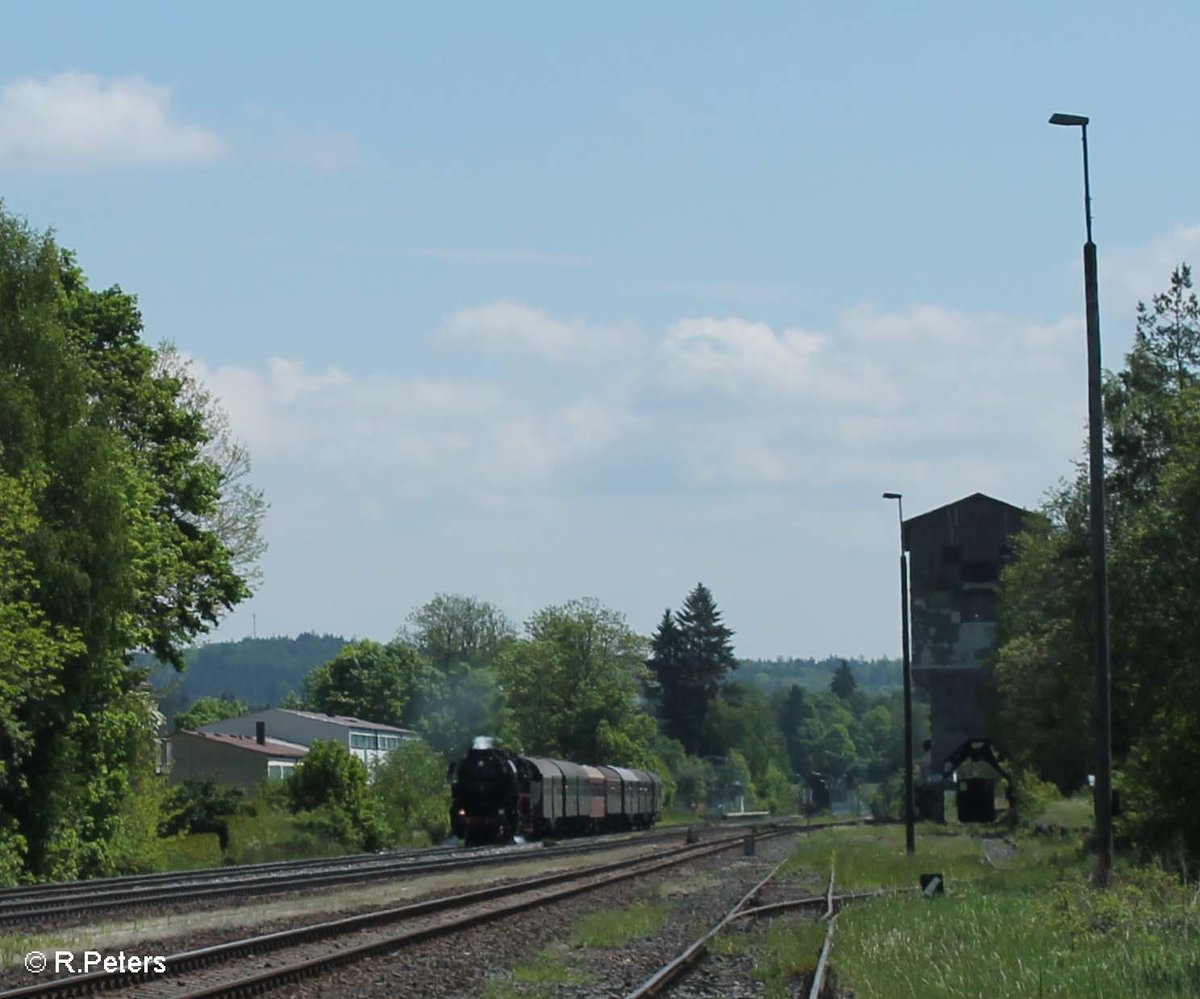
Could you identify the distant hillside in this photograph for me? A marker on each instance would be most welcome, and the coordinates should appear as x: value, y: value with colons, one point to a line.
x: 256, y: 671
x: 873, y: 676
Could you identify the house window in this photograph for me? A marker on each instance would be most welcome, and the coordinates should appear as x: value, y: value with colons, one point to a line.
x: 389, y: 742
x: 278, y: 770
x: 363, y: 740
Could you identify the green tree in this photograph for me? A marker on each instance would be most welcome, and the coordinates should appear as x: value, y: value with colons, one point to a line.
x: 201, y: 805
x: 664, y: 664
x: 412, y: 789
x: 692, y: 655
x: 207, y: 710
x: 331, y: 787
x: 580, y: 667
x: 237, y: 517
x: 108, y: 459
x: 843, y: 684
x: 741, y: 719
x: 456, y: 633
x: 461, y: 638
x: 369, y: 680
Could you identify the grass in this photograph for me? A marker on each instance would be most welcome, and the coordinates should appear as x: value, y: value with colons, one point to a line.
x: 537, y: 980
x: 1069, y: 813
x: 614, y: 928
x: 559, y: 965
x: 1031, y: 927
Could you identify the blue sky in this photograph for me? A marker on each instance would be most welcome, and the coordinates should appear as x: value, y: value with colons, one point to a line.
x: 541, y: 302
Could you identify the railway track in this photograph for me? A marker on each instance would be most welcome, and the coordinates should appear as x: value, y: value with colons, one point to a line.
x: 69, y: 901
x: 236, y: 967
x: 672, y: 972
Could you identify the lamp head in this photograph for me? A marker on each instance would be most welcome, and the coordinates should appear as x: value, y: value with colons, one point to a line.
x: 1068, y: 119
x: 892, y: 496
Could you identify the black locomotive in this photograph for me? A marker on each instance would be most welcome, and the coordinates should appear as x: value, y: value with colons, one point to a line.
x: 496, y: 794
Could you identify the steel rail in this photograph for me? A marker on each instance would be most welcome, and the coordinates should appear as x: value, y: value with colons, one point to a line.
x: 669, y: 972
x: 20, y: 911
x: 607, y: 873
x: 818, y: 982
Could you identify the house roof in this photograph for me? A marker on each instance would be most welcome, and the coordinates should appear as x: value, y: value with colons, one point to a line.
x: 349, y: 721
x: 272, y: 747
x: 973, y: 499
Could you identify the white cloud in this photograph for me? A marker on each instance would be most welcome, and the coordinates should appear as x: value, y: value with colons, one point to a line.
x: 513, y: 326
x: 923, y: 397
x: 455, y: 435
x: 736, y: 355
x: 878, y: 391
x: 77, y: 120
x: 327, y: 152
x: 1138, y: 274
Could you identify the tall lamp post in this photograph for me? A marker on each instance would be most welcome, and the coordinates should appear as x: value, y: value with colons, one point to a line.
x: 1102, y: 798
x: 910, y: 838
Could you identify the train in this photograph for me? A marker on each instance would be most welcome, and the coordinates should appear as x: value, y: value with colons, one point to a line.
x: 497, y: 795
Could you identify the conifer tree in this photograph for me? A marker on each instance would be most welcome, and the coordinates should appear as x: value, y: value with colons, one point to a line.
x: 693, y: 652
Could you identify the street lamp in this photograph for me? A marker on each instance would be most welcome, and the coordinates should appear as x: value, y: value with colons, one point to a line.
x: 910, y: 838
x: 1102, y: 798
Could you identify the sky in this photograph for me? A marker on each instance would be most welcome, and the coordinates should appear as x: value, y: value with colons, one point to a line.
x: 537, y: 302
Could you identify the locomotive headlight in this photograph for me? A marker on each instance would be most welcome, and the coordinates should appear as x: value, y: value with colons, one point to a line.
x: 462, y: 811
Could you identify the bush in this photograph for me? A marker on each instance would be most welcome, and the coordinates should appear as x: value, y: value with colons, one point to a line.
x: 1031, y: 796
x: 331, y: 786
x: 413, y: 793
x: 202, y: 805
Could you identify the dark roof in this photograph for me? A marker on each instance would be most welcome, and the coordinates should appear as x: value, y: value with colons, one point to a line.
x: 350, y: 722
x: 272, y: 747
x: 974, y: 498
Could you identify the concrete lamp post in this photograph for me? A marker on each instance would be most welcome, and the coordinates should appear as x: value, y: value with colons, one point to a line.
x: 1102, y: 798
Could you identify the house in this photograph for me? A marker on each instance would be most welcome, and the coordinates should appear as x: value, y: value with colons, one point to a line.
x: 232, y: 759
x: 369, y: 741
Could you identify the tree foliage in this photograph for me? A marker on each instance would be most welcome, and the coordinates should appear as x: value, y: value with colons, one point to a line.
x: 573, y: 684
x: 412, y: 789
x: 369, y: 680
x: 692, y: 652
x: 843, y: 684
x: 1043, y: 669
x: 105, y: 486
x: 208, y: 710
x: 456, y: 633
x: 461, y: 638
x: 331, y: 787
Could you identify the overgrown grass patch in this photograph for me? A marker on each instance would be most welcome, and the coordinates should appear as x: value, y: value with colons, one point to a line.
x: 14, y: 947
x: 271, y: 835
x: 190, y: 852
x: 612, y: 928
x: 1070, y: 813
x: 1033, y: 926
x: 537, y: 979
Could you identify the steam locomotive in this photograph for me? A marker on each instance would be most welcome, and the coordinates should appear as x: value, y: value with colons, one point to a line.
x: 496, y: 795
